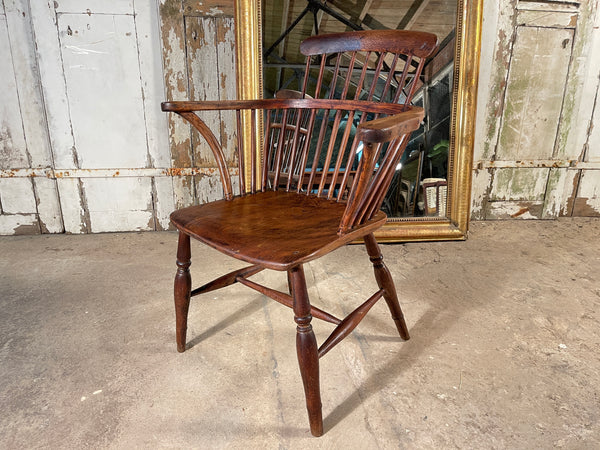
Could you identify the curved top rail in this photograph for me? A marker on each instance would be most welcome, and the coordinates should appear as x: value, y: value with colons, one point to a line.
x: 407, y: 42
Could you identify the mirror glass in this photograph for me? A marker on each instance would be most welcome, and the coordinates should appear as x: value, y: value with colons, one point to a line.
x: 420, y: 185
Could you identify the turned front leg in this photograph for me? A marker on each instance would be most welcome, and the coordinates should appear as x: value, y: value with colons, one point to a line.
x: 385, y: 282
x: 306, y: 347
x: 183, y: 287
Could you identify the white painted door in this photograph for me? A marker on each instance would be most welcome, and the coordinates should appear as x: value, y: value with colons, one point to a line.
x: 101, y: 78
x: 28, y: 205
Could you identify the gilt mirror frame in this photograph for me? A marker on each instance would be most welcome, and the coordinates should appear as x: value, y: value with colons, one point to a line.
x: 466, y: 71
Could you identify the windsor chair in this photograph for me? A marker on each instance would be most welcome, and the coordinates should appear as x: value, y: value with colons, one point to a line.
x: 328, y: 157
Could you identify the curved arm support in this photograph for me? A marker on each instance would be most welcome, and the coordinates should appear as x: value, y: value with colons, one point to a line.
x: 215, y: 146
x: 373, y: 134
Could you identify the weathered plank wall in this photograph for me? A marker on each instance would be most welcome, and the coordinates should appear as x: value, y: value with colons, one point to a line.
x: 27, y: 205
x: 198, y: 42
x: 537, y: 149
x: 85, y: 148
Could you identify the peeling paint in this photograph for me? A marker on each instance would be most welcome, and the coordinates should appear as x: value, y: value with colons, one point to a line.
x: 84, y: 212
x: 19, y: 224
x: 519, y: 184
x: 533, y: 146
x: 514, y: 210
x: 534, y: 94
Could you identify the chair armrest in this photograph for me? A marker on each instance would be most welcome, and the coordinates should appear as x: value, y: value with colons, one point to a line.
x: 366, y: 196
x: 284, y: 103
x: 390, y: 127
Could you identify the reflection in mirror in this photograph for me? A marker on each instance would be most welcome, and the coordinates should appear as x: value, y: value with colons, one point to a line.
x: 419, y: 186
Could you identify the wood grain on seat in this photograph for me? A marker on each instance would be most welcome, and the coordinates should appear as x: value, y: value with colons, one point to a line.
x: 275, y: 229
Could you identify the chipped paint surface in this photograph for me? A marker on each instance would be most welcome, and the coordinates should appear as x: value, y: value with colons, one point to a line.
x: 209, y: 44
x: 19, y: 224
x: 199, y: 64
x: 175, y: 75
x: 209, y: 7
x: 114, y: 134
x: 534, y: 95
x: 111, y: 173
x: 519, y: 184
x: 515, y: 210
x: 13, y: 149
x: 587, y: 202
x: 88, y: 81
x: 90, y: 7
x: 537, y: 111
x: 119, y: 204
x: 16, y: 196
x: 480, y: 186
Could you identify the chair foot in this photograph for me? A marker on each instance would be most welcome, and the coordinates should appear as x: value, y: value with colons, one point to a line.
x: 306, y: 347
x: 182, y: 289
x: 385, y: 282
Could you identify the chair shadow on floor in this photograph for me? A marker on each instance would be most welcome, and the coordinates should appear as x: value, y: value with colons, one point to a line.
x: 428, y: 329
x: 253, y: 306
x: 431, y: 326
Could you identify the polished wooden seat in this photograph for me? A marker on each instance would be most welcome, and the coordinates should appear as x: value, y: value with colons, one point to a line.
x: 294, y: 229
x: 329, y: 153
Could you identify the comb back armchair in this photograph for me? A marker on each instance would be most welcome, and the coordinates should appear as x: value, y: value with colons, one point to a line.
x: 328, y: 158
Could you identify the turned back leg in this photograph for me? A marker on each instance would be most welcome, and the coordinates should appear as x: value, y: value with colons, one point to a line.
x: 182, y: 289
x: 385, y: 282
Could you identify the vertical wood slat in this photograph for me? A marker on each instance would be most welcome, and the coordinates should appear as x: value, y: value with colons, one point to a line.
x: 390, y: 76
x: 349, y: 75
x: 405, y: 70
x: 359, y: 187
x: 305, y: 150
x: 240, y: 156
x: 279, y: 150
x: 329, y: 154
x: 292, y: 165
x: 318, y: 150
x: 351, y: 157
x: 340, y: 158
x: 306, y: 75
x: 267, y: 151
x: 334, y: 78
x: 254, y: 149
x: 361, y: 80
x: 320, y: 77
x: 376, y: 76
x: 415, y: 81
x: 395, y: 150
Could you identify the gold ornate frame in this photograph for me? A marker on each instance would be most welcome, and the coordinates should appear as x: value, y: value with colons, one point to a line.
x: 466, y: 72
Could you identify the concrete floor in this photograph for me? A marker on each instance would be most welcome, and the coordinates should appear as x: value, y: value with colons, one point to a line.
x: 505, y: 348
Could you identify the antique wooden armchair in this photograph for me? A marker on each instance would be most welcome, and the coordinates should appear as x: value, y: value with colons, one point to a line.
x: 326, y: 164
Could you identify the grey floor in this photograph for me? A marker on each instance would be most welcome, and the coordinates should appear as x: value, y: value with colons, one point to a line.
x: 505, y: 348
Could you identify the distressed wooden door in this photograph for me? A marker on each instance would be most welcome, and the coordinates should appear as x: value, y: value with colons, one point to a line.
x: 100, y: 72
x: 28, y: 205
x: 538, y: 154
x: 199, y: 64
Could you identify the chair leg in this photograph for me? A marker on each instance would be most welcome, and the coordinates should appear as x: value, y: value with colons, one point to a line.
x: 385, y: 282
x: 306, y: 347
x: 182, y: 289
